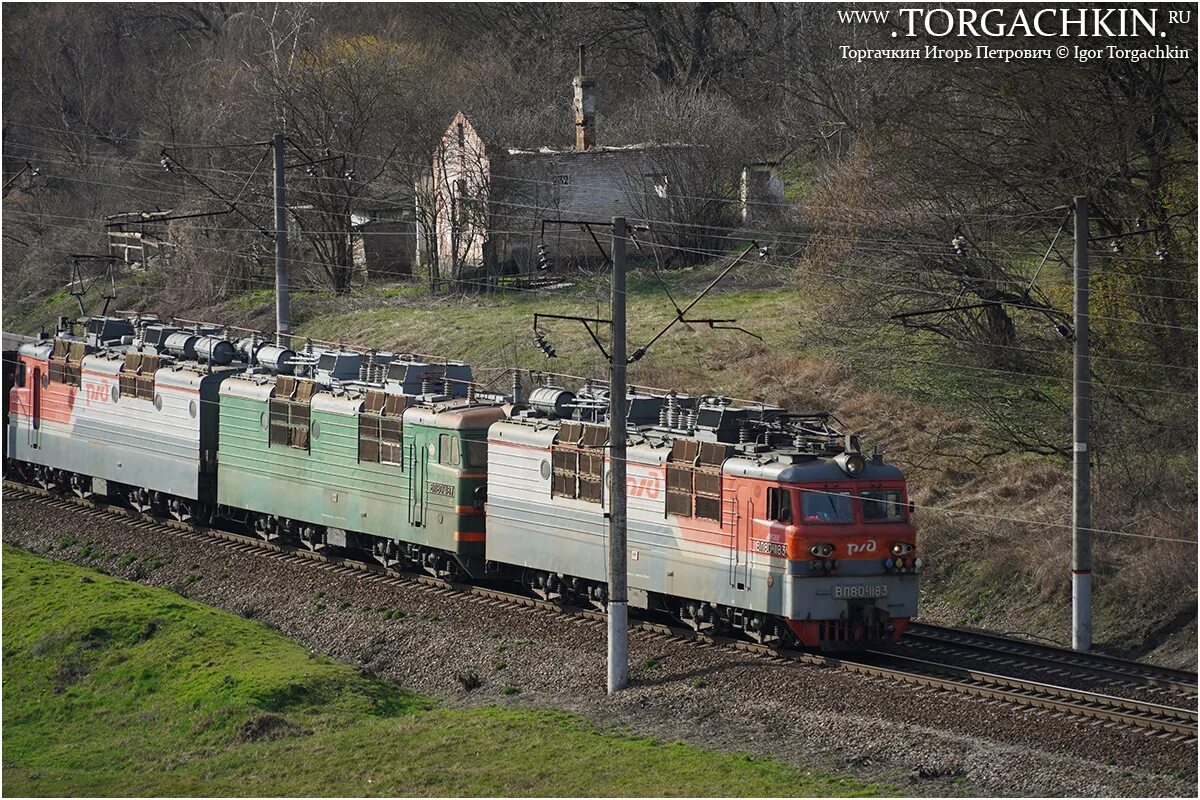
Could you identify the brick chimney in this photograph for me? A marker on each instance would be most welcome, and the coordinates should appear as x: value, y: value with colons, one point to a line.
x: 585, y: 107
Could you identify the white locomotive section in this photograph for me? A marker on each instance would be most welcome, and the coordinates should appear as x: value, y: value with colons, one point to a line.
x: 734, y: 556
x: 149, y: 443
x: 529, y: 527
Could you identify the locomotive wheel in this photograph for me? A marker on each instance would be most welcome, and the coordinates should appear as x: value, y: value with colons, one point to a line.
x: 144, y: 500
x: 49, y: 479
x: 186, y: 510
x: 18, y: 469
x: 265, y: 528
x: 81, y: 485
x: 697, y: 616
x: 597, y: 595
x: 313, y: 538
x: 385, y: 551
x: 545, y: 585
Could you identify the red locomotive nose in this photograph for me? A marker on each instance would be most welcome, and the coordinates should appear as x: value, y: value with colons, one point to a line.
x: 848, y: 633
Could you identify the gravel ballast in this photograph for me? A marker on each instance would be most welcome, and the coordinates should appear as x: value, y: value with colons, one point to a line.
x: 924, y: 742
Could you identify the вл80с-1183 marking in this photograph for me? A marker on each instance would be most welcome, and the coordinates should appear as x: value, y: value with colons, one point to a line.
x: 747, y: 518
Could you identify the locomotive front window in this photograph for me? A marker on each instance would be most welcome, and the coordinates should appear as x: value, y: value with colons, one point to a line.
x: 448, y: 450
x: 476, y: 452
x: 779, y: 504
x: 827, y: 507
x: 882, y: 505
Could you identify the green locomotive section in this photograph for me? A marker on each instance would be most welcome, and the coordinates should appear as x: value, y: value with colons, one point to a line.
x: 367, y: 464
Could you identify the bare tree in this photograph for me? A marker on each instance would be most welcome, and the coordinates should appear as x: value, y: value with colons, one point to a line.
x: 342, y: 103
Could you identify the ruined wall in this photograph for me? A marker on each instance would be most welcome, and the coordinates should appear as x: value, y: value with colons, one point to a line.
x: 595, y: 184
x: 461, y: 175
x: 491, y: 202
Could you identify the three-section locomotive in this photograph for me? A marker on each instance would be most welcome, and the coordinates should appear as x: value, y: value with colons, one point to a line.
x: 748, y: 518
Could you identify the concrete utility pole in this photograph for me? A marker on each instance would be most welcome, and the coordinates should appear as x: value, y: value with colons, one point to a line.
x: 282, y: 300
x: 618, y: 591
x: 1081, y: 530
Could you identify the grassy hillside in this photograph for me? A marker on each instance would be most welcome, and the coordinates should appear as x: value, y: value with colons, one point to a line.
x: 113, y: 688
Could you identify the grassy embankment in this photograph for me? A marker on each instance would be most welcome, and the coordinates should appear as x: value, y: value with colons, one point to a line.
x: 113, y: 688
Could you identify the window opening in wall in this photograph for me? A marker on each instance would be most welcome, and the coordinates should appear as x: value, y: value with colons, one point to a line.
x: 657, y: 183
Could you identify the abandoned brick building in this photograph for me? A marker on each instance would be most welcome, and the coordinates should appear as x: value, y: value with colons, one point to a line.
x: 494, y: 204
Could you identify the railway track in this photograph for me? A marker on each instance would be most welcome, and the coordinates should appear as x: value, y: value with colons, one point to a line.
x: 1171, y: 723
x: 1051, y: 663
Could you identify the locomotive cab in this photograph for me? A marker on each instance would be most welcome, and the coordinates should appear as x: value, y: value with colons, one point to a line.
x: 852, y: 559
x: 836, y: 530
x: 449, y: 442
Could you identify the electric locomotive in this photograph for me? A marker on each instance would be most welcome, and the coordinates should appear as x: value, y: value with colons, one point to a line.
x: 378, y: 453
x: 757, y: 519
x: 748, y: 518
x: 124, y: 408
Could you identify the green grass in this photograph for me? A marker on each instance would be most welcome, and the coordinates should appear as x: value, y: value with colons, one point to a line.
x: 27, y: 314
x: 113, y: 688
x: 497, y: 330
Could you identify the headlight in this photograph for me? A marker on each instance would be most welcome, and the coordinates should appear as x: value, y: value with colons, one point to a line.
x: 918, y: 563
x: 889, y: 563
x: 902, y: 548
x: 853, y: 464
x: 822, y: 550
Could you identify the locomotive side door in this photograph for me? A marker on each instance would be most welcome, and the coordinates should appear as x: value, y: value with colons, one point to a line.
x: 35, y: 416
x: 417, y: 474
x: 743, y: 520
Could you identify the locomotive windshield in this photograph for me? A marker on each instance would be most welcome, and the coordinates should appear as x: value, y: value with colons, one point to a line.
x: 476, y: 452
x: 882, y: 505
x: 827, y: 507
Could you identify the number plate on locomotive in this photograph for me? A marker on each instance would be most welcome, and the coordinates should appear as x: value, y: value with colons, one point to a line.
x: 859, y: 591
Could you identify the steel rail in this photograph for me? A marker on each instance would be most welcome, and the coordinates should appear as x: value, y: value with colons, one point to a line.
x: 1119, y: 669
x: 1176, y: 724
x: 1049, y: 660
x: 1093, y: 704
